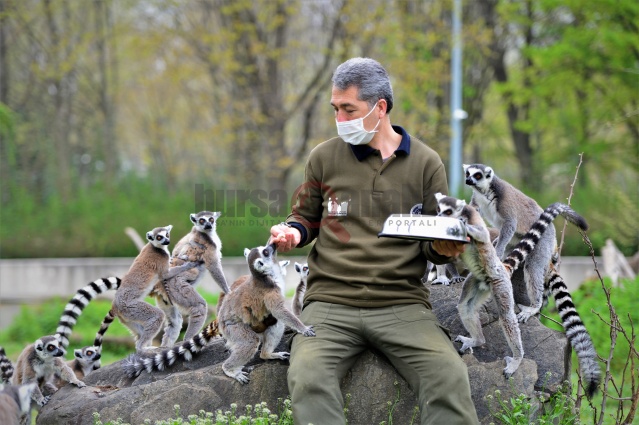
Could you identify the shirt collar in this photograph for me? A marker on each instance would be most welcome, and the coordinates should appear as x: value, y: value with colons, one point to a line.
x: 363, y: 151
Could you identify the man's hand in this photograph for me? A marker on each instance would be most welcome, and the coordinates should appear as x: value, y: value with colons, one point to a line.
x: 448, y: 248
x: 285, y: 237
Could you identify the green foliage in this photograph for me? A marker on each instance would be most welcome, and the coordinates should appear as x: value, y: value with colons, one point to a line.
x: 92, y: 223
x: 557, y: 409
x: 258, y: 415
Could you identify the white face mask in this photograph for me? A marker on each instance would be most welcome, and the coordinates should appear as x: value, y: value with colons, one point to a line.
x: 353, y: 131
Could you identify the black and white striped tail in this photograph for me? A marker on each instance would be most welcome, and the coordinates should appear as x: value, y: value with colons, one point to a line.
x: 530, y: 240
x: 80, y: 300
x: 576, y: 333
x: 6, y: 368
x: 99, y: 336
x: 136, y: 363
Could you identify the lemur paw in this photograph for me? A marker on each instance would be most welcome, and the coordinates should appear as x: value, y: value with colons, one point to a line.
x: 526, y: 313
x: 281, y: 355
x: 457, y: 279
x: 241, y: 376
x: 44, y: 400
x: 80, y: 384
x: 511, y: 366
x: 309, y: 331
x: 441, y: 280
x: 467, y: 344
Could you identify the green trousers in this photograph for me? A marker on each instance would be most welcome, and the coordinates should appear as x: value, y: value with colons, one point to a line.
x: 409, y: 336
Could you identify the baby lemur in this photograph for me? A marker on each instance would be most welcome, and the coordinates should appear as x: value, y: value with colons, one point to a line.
x: 489, y: 276
x: 144, y: 320
x: 85, y: 361
x: 39, y: 363
x: 253, y: 313
x: 177, y: 295
x: 300, y: 290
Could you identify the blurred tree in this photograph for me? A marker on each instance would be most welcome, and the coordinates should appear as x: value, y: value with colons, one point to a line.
x: 111, y: 99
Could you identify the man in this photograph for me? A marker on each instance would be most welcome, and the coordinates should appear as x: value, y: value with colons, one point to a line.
x: 364, y: 291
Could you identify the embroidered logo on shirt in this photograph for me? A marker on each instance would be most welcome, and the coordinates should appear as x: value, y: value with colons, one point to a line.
x: 337, y: 208
x: 416, y: 209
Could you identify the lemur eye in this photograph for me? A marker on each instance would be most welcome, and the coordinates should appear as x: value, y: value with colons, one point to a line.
x: 159, y: 237
x: 51, y: 347
x: 305, y: 268
x: 202, y: 221
x: 265, y: 252
x: 478, y: 176
x: 212, y: 220
x: 448, y: 212
x: 89, y: 353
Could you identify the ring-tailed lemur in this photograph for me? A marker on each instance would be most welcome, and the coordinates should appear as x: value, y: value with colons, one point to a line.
x: 177, y: 295
x: 86, y: 360
x: 300, y: 290
x: 440, y: 271
x: 254, y: 301
x: 512, y: 211
x: 141, y: 318
x: 39, y: 363
x: 15, y: 404
x: 76, y: 305
x: 489, y: 276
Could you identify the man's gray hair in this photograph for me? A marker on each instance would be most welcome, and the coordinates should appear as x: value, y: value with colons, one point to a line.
x: 370, y: 78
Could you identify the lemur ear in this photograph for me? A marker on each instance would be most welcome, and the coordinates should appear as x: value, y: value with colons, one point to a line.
x: 168, y: 228
x: 465, y: 166
x: 39, y: 345
x: 193, y: 218
x: 489, y: 172
x: 149, y: 235
x: 217, y: 214
x: 439, y: 196
x: 78, y: 353
x: 246, y: 252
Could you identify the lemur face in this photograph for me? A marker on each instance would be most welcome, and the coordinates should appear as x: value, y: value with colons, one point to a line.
x: 87, y: 355
x: 447, y: 206
x: 48, y: 346
x: 263, y: 259
x: 205, y: 221
x: 283, y: 265
x: 302, y: 269
x: 478, y: 176
x: 160, y: 236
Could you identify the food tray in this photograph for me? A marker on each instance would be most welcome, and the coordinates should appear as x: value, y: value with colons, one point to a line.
x: 423, y: 228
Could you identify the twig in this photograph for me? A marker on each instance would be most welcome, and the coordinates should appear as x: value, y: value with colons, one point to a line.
x: 563, y: 230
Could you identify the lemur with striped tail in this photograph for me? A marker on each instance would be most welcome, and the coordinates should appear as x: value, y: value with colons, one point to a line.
x: 253, y: 313
x: 513, y: 212
x: 39, y: 363
x: 178, y: 295
x: 490, y: 276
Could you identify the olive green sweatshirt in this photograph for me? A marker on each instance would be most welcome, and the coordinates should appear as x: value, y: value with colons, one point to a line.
x: 348, y: 193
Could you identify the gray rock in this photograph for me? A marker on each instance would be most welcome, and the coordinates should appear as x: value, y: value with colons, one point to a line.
x: 372, y: 385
